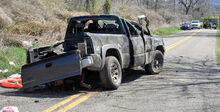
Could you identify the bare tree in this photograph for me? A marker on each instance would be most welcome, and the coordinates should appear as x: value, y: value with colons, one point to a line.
x: 194, y: 8
x: 87, y: 5
x: 188, y: 4
x: 156, y: 5
x: 174, y: 5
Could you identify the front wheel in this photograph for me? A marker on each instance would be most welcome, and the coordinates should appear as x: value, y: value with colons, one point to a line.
x: 111, y: 74
x: 156, y: 64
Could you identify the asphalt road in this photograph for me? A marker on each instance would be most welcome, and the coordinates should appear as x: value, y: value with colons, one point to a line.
x: 189, y: 82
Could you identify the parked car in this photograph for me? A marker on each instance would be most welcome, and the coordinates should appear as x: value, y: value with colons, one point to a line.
x: 195, y: 24
x: 214, y: 26
x: 185, y: 26
x: 103, y: 43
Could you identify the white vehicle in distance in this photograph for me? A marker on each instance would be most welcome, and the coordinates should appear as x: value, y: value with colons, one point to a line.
x: 195, y: 24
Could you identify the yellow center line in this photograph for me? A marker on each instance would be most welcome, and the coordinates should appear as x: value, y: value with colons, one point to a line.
x: 181, y: 41
x: 78, y: 101
x: 62, y: 103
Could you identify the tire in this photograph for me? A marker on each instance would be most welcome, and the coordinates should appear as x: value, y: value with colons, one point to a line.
x: 111, y: 74
x: 156, y: 65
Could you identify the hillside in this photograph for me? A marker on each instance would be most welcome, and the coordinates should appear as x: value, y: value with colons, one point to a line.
x: 44, y: 21
x: 34, y: 20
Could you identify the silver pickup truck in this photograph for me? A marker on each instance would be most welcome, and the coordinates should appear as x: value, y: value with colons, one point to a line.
x: 104, y: 43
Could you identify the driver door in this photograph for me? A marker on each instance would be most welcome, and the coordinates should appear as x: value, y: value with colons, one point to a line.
x: 137, y: 48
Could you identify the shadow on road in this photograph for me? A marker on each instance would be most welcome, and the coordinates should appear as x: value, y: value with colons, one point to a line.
x: 179, y: 72
x: 45, y: 92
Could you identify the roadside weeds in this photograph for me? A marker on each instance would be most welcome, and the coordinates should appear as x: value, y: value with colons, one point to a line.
x: 218, y: 47
x: 11, y: 60
x: 166, y: 31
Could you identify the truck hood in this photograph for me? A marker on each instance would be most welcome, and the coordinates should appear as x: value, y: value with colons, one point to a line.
x: 157, y: 38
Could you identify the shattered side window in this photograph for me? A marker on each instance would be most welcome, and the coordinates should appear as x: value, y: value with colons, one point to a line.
x: 139, y: 29
x: 132, y: 30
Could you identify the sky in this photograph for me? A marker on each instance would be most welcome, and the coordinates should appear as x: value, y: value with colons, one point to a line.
x: 215, y: 2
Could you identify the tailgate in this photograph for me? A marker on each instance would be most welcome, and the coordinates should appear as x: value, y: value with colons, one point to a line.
x: 51, y: 69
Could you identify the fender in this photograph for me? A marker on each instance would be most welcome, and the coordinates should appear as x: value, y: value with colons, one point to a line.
x: 158, y: 44
x: 157, y: 41
x: 116, y: 47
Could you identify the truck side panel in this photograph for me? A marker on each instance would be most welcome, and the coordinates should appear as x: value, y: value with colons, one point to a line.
x: 102, y: 42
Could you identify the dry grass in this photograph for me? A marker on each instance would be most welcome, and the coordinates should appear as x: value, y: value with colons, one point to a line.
x: 8, y: 42
x: 41, y: 20
x: 5, y: 21
x: 132, y: 11
x: 161, y: 18
x: 46, y: 20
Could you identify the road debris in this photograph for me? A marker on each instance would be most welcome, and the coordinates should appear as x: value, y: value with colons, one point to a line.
x: 10, y: 109
x: 4, y: 71
x: 15, y: 75
x: 27, y: 43
x: 11, y: 63
x: 36, y: 101
x: 14, y: 82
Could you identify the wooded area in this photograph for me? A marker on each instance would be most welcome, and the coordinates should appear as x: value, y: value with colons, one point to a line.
x: 194, y: 8
x: 170, y: 11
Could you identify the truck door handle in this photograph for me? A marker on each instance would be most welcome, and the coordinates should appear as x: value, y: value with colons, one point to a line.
x: 48, y: 65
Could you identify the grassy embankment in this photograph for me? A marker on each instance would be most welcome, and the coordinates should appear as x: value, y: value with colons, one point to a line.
x: 218, y: 47
x: 13, y: 54
x: 166, y: 31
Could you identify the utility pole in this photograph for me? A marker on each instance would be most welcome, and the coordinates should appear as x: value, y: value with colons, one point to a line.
x: 155, y: 5
x: 174, y: 3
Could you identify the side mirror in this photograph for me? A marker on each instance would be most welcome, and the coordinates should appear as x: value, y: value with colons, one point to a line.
x: 142, y: 18
x: 147, y: 22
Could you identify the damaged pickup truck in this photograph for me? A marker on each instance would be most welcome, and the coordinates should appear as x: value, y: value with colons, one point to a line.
x: 104, y: 43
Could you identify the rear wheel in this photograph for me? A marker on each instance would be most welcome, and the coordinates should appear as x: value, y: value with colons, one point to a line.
x: 111, y: 74
x: 156, y: 64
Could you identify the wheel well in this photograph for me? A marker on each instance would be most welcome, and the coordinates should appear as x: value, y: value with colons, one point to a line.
x: 160, y: 48
x: 115, y: 53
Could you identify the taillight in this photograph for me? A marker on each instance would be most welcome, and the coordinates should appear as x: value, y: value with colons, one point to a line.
x: 93, y: 15
x: 83, y: 48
